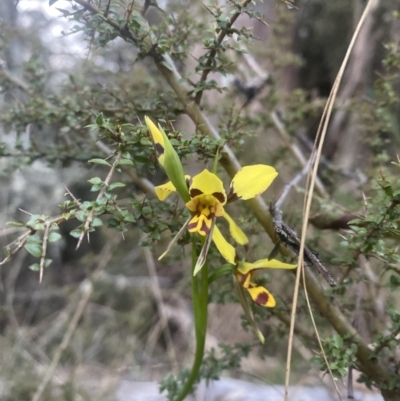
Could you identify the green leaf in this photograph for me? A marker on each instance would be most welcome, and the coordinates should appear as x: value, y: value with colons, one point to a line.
x: 337, y: 341
x: 125, y: 161
x: 96, y: 222
x: 100, y: 161
x: 35, y: 267
x: 34, y: 239
x: 76, y: 233
x: 96, y: 188
x: 100, y: 119
x: 15, y: 224
x: 47, y: 262
x: 116, y: 185
x: 96, y: 181
x: 67, y: 216
x: 141, y: 159
x: 145, y: 142
x: 53, y: 237
x: 34, y: 249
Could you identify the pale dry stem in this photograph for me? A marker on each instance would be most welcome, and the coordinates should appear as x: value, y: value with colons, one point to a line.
x: 320, y: 137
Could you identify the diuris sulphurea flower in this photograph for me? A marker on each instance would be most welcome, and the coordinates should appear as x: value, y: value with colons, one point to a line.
x: 205, y: 196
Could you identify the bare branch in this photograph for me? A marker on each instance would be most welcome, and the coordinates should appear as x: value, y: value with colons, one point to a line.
x: 44, y: 249
x: 213, y: 51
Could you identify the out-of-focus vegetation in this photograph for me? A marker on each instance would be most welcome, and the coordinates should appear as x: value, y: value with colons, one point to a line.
x: 247, y: 81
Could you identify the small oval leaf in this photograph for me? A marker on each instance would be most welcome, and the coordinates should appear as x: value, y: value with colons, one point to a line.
x: 53, y: 237
x: 100, y: 161
x: 34, y: 249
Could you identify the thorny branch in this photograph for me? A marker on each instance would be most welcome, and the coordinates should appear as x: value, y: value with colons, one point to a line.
x: 369, y: 235
x: 21, y: 241
x: 292, y: 241
x: 213, y: 51
x: 99, y: 196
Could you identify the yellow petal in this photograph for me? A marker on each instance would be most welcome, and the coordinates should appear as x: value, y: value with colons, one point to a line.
x: 223, y: 246
x: 251, y: 181
x: 245, y: 267
x: 272, y: 264
x: 158, y: 140
x: 261, y: 296
x: 165, y: 190
x: 209, y: 184
x: 238, y: 235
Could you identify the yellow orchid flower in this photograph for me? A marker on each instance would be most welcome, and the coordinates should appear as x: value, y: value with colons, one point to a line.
x: 245, y: 272
x: 207, y: 201
x: 206, y: 196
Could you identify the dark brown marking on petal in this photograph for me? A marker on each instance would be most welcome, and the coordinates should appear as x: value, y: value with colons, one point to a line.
x: 262, y: 299
x: 205, y: 228
x: 192, y: 226
x: 159, y: 149
x: 220, y: 196
x: 195, y: 192
x: 232, y: 197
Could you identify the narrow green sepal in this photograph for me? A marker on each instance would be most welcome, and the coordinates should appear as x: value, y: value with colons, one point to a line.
x: 173, y: 168
x: 247, y: 310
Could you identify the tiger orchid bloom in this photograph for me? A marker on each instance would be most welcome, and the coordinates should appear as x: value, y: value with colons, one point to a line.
x: 205, y: 196
x: 245, y: 273
x: 207, y: 201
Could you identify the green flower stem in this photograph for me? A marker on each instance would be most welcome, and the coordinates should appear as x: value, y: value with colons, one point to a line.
x: 200, y: 312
